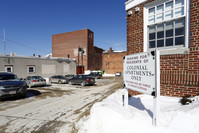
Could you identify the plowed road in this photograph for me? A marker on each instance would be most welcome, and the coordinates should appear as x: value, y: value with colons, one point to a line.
x: 54, y: 108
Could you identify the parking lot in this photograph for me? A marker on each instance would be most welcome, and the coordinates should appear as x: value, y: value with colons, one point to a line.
x: 53, y: 108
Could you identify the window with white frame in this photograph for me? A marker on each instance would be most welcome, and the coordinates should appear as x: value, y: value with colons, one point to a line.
x: 9, y: 69
x: 31, y: 69
x: 166, y: 24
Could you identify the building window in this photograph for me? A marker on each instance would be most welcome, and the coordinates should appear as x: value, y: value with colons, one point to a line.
x: 166, y: 24
x: 91, y: 35
x: 9, y: 69
x: 31, y: 69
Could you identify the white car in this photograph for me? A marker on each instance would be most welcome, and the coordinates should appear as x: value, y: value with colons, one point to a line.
x: 35, y: 81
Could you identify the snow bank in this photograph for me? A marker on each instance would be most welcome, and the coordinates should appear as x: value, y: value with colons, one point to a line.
x: 108, y: 75
x: 109, y: 116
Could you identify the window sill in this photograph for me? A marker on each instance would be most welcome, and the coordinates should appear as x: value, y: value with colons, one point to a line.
x: 174, y: 51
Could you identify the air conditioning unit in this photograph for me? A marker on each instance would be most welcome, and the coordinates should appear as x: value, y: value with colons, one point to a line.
x: 12, y: 54
x: 129, y: 13
x: 137, y: 9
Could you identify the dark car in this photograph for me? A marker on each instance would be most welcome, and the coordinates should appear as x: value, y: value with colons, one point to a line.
x: 82, y: 80
x: 96, y: 75
x: 69, y: 76
x: 10, y: 85
x: 58, y: 79
x: 35, y: 81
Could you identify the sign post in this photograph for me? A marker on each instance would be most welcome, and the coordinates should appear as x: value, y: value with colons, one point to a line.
x: 142, y: 74
x: 157, y: 83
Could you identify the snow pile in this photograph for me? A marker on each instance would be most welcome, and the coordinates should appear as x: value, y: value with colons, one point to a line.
x: 109, y: 116
x: 108, y: 75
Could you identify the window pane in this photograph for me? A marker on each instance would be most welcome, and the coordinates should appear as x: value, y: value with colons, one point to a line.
x: 160, y: 17
x: 160, y: 34
x: 160, y: 27
x: 169, y: 6
x: 31, y: 69
x: 179, y: 3
x: 160, y: 43
x: 9, y: 69
x: 151, y: 11
x: 169, y: 42
x: 160, y: 9
x: 179, y: 12
x: 179, y: 22
x: 169, y: 14
x: 179, y: 41
x: 169, y: 25
x: 151, y: 44
x: 179, y: 31
x: 151, y: 19
x: 152, y: 28
x: 151, y: 36
x: 169, y: 33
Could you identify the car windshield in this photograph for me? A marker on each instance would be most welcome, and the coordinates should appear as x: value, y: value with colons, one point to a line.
x: 8, y: 77
x: 61, y: 77
x: 37, y: 77
x: 86, y: 76
x: 94, y: 73
x: 69, y: 75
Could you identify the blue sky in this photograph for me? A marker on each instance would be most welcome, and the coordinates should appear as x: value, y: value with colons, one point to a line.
x: 30, y: 24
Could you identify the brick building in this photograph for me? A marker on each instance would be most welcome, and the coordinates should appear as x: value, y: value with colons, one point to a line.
x: 172, y: 26
x: 113, y: 61
x: 66, y: 45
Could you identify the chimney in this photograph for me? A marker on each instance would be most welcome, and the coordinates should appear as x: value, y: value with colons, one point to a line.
x: 110, y: 50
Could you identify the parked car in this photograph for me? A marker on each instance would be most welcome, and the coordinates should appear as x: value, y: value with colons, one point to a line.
x: 10, y: 85
x: 58, y: 79
x: 118, y: 74
x: 82, y: 80
x: 70, y: 76
x: 96, y: 75
x: 35, y: 81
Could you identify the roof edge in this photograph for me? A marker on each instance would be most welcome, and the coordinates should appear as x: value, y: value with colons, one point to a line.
x: 132, y: 3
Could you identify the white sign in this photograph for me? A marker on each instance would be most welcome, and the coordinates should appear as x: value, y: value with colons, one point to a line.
x: 139, y: 72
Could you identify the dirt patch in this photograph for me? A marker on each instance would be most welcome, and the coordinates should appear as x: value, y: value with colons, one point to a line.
x: 50, y: 127
x: 54, y: 92
x: 86, y: 113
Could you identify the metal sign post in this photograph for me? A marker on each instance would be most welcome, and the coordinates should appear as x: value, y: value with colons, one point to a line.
x: 157, y: 88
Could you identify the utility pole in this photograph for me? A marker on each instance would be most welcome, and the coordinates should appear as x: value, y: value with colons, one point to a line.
x: 82, y: 52
x: 78, y: 55
x: 4, y: 41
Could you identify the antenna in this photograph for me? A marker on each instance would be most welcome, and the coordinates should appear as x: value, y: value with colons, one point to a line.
x: 4, y: 41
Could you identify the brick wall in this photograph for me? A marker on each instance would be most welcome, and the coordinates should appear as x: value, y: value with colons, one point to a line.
x: 113, y: 62
x: 179, y: 73
x: 67, y: 44
x: 95, y: 59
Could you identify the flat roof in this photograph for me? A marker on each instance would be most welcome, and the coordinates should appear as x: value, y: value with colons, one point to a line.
x: 37, y: 58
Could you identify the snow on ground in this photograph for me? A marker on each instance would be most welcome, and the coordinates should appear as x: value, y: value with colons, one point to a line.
x: 104, y: 75
x: 108, y: 75
x: 50, y: 113
x: 110, y: 116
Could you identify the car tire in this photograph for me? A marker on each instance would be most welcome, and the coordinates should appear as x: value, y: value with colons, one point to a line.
x: 83, y: 84
x: 23, y: 95
x: 70, y: 83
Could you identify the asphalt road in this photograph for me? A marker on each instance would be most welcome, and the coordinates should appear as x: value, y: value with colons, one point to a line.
x: 54, y: 108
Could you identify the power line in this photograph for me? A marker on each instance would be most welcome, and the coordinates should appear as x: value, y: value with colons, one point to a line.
x: 23, y: 45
